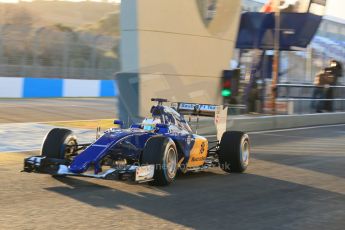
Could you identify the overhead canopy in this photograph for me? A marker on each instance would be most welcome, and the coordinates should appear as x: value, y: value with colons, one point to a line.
x: 257, y: 30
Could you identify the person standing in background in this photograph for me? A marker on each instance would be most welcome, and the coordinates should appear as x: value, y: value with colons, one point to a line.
x: 324, y: 82
x: 318, y: 93
x: 334, y: 71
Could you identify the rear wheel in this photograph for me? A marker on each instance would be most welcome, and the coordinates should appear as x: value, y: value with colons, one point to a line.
x: 59, y: 144
x: 234, y: 151
x: 161, y: 152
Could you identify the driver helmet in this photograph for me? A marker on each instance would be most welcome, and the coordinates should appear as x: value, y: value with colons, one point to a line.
x: 149, y: 124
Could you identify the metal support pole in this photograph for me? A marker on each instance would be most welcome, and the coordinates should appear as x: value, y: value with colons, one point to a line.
x: 276, y: 55
x: 93, y: 63
x: 65, y: 55
x: 309, y: 64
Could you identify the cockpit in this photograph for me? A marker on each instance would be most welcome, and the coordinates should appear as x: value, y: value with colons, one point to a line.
x: 165, y: 115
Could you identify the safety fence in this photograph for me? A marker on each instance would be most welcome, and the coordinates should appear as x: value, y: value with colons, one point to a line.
x: 306, y: 99
x: 56, y: 52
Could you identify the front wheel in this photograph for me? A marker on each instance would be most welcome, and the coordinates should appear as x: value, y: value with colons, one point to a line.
x: 234, y: 151
x: 59, y: 144
x: 161, y: 152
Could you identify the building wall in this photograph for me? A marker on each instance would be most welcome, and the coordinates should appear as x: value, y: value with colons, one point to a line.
x: 171, y: 51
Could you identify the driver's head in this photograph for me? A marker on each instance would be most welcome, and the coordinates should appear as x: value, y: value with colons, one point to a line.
x: 149, y: 124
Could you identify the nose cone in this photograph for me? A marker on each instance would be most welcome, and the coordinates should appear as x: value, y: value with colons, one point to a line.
x: 93, y: 154
x: 79, y: 168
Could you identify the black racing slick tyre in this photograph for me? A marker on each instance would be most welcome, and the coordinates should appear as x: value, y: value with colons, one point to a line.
x: 59, y: 144
x: 161, y: 152
x: 234, y: 151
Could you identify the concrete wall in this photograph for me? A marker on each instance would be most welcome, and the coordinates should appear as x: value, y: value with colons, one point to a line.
x: 266, y: 123
x: 170, y: 51
x: 11, y: 87
x: 250, y: 124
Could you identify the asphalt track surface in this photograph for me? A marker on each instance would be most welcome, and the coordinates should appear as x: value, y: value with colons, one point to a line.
x: 296, y: 180
x: 41, y: 110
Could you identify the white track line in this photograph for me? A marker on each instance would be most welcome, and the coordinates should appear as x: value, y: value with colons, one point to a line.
x: 48, y: 122
x: 295, y: 129
x: 291, y: 129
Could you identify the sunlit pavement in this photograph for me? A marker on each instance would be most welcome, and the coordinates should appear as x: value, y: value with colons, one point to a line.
x: 29, y: 136
x: 20, y: 129
x: 296, y: 180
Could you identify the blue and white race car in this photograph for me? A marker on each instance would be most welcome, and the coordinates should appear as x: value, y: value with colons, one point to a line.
x: 152, y: 151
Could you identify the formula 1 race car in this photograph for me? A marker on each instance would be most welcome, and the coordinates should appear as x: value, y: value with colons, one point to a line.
x: 152, y: 151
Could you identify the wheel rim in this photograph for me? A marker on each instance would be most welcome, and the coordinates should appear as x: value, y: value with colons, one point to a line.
x: 245, y: 152
x: 70, y: 149
x: 171, y: 163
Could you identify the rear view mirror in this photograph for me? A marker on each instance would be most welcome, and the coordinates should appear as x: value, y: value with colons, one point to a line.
x: 162, y: 128
x: 118, y: 122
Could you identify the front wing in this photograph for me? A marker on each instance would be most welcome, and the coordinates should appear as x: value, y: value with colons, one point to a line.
x: 58, y: 167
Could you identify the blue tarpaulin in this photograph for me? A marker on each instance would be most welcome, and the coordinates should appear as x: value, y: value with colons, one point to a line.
x: 257, y: 30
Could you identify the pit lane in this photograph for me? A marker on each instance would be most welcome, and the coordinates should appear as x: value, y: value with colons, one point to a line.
x: 296, y: 180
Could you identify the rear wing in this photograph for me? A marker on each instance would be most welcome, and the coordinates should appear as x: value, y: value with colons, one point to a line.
x: 195, y: 109
x: 219, y: 112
